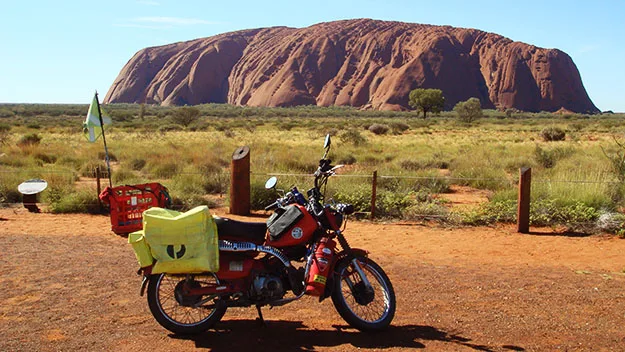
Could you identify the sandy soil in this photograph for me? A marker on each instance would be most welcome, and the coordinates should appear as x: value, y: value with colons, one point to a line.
x: 68, y: 284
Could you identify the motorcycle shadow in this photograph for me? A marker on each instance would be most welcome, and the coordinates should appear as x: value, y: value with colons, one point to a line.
x: 295, y: 336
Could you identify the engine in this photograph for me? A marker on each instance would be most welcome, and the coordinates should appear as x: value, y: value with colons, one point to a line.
x: 267, y: 287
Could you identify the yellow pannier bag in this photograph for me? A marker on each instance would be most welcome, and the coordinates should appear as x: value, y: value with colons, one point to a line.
x: 141, y: 248
x: 182, y: 243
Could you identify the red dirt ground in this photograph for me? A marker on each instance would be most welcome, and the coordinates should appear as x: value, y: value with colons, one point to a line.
x: 68, y: 283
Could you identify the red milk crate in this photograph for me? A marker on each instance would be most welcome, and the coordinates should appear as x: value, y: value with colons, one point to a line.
x: 128, y: 202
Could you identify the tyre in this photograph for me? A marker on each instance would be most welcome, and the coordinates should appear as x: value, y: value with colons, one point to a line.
x: 180, y: 313
x: 362, y: 308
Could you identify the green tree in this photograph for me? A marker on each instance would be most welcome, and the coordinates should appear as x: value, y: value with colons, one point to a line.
x: 427, y: 100
x: 186, y: 115
x: 469, y: 111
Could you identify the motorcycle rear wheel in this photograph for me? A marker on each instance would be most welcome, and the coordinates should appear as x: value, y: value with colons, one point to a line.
x: 174, y: 311
x: 363, y: 309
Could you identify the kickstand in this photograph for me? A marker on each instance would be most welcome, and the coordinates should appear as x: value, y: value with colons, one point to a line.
x: 260, y: 318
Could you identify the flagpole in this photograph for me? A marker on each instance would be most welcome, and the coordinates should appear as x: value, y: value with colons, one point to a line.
x: 106, y: 150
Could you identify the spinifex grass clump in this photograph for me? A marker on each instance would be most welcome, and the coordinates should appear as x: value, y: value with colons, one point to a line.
x: 553, y: 134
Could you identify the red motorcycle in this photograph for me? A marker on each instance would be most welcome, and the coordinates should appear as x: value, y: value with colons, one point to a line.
x: 257, y: 267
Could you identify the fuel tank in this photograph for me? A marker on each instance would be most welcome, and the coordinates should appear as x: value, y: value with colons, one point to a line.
x: 297, y: 231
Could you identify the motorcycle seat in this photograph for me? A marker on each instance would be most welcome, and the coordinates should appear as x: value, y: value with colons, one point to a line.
x: 239, y: 230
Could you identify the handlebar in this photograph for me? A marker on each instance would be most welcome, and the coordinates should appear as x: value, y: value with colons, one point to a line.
x: 346, y: 209
x: 272, y: 206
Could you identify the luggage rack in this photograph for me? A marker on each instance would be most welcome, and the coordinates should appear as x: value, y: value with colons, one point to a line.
x: 128, y: 202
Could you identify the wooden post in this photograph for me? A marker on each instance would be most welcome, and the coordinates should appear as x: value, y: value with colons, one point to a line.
x: 98, y: 186
x: 240, y: 181
x: 374, y: 187
x: 523, y: 214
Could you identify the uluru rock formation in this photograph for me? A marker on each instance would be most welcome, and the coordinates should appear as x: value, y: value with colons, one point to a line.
x: 361, y: 63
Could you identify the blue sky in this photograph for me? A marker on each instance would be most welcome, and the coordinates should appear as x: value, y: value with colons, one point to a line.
x: 61, y: 51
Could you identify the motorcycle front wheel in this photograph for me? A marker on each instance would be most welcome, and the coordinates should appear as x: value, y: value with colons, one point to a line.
x: 180, y: 313
x: 364, y: 308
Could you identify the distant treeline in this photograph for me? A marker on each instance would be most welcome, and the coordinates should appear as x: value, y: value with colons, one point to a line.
x: 124, y: 112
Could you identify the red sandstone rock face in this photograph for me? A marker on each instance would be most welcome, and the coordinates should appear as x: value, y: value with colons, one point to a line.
x: 362, y: 63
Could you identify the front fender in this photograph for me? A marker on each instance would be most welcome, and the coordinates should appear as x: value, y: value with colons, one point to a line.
x: 346, y: 255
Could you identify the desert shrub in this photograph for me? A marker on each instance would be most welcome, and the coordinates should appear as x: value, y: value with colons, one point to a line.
x: 261, y: 197
x: 187, y: 183
x: 8, y: 187
x: 124, y: 176
x: 102, y: 156
x: 45, y: 158
x: 357, y: 195
x: 89, y: 169
x: 469, y: 111
x: 378, y: 129
x: 287, y: 126
x: 347, y: 159
x: 199, y: 126
x: 67, y: 160
x: 4, y: 133
x: 371, y: 160
x: 412, y: 165
x: 617, y: 160
x: 544, y: 157
x: 169, y: 128
x: 575, y: 216
x: 121, y: 116
x: 216, y: 182
x: 81, y: 201
x: 163, y: 169
x: 491, y: 212
x: 616, y: 192
x: 299, y: 165
x: 392, y: 204
x: 399, y: 127
x: 548, y: 157
x: 6, y: 113
x: 424, y: 210
x: 331, y: 131
x: 185, y: 115
x: 29, y: 139
x: 137, y: 164
x: 431, y: 184
x: 167, y: 169
x: 550, y: 134
x: 482, y: 178
x: 577, y: 126
x: 229, y: 133
x: 352, y: 136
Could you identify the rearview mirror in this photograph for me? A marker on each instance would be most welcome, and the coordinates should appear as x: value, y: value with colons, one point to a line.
x: 271, y: 182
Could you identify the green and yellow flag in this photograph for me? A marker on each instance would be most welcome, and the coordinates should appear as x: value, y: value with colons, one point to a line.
x: 92, y: 129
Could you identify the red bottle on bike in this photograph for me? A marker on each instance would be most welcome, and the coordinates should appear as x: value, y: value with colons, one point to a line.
x: 320, y: 267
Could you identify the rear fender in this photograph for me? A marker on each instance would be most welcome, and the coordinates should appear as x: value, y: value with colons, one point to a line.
x: 339, y: 258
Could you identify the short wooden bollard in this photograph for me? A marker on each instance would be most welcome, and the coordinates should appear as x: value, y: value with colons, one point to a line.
x: 523, y: 211
x: 240, y: 182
